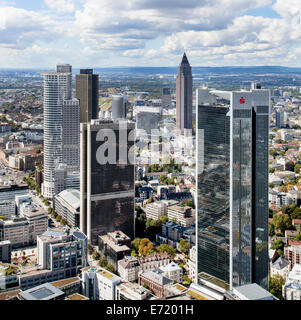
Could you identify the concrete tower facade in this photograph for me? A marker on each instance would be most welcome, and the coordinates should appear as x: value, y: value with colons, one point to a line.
x: 184, y: 95
x: 61, y: 125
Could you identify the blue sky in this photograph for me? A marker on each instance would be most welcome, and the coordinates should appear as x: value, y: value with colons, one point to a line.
x: 99, y: 33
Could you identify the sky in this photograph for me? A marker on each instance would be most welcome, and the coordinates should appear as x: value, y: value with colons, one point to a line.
x: 108, y: 33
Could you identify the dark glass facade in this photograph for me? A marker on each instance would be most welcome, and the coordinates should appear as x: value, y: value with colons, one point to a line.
x: 87, y: 85
x: 233, y: 189
x: 108, y: 190
x: 213, y: 192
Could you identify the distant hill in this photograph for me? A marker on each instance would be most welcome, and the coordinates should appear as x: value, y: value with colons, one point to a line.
x: 201, y: 70
x: 173, y: 70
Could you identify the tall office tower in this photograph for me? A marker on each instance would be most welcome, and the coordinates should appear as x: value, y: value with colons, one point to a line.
x: 87, y: 93
x: 166, y: 97
x: 232, y: 183
x: 119, y: 107
x: 184, y: 95
x: 71, y: 132
x: 57, y: 98
x: 279, y: 117
x: 107, y: 189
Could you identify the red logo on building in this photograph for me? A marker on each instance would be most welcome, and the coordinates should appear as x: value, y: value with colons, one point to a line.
x: 242, y: 100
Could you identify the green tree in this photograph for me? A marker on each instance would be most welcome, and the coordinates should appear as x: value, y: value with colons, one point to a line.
x: 289, y: 166
x: 186, y: 280
x: 298, y: 237
x: 133, y: 253
x: 103, y: 262
x: 297, y: 167
x: 275, y: 286
x: 96, y: 255
x: 184, y: 246
x: 90, y: 248
x: 279, y: 246
x: 271, y: 230
x: 163, y: 219
x: 171, y: 251
x: 110, y: 268
x: 136, y: 243
x: 150, y: 200
x: 282, y: 222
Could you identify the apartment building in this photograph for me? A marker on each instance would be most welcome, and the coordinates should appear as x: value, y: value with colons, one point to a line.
x: 99, y: 284
x: 156, y: 210
x: 129, y: 268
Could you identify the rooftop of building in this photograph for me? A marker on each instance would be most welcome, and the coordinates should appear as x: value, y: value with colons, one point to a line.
x: 77, y: 296
x: 127, y: 262
x: 171, y: 267
x: 105, y: 273
x: 179, y: 208
x: 65, y: 282
x: 252, y: 292
x: 71, y: 197
x: 156, y: 275
x: 9, y: 294
x: 281, y: 263
x: 133, y: 287
x: 110, y: 238
x: 45, y: 291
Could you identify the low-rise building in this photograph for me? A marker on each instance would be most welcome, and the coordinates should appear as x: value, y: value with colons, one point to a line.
x: 182, y: 215
x: 99, y: 284
x: 291, y: 290
x: 280, y: 267
x: 129, y: 267
x: 156, y: 210
x: 155, y: 280
x: 114, y: 246
x: 173, y: 272
x: 67, y: 205
x: 292, y: 253
x: 60, y: 255
x: 45, y: 291
x: 131, y: 291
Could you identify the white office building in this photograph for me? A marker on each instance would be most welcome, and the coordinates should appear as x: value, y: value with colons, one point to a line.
x: 99, y: 284
x: 61, y: 125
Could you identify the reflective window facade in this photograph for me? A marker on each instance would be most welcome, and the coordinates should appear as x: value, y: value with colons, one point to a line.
x: 107, y: 190
x: 213, y: 192
x: 232, y: 186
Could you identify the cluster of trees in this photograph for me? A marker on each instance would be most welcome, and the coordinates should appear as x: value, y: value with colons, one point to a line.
x: 168, y: 181
x: 148, y: 227
x: 101, y: 261
x: 57, y: 217
x: 291, y: 166
x: 275, y: 286
x: 166, y: 167
x: 31, y: 183
x: 279, y: 246
x: 144, y: 247
x: 283, y: 221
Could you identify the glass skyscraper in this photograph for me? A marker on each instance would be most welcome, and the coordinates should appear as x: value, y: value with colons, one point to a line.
x: 107, y: 190
x: 232, y: 181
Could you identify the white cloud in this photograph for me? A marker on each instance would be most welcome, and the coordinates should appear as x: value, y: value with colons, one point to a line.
x: 21, y: 28
x: 61, y: 5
